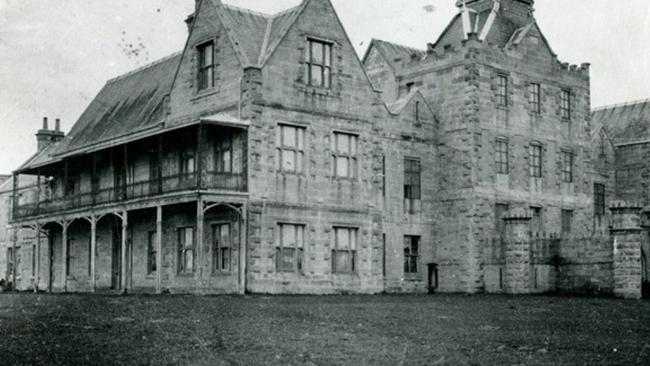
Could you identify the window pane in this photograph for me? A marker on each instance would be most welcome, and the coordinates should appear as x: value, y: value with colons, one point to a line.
x: 288, y: 160
x: 300, y: 239
x: 207, y: 53
x: 225, y: 235
x: 353, y: 239
x: 225, y: 258
x: 189, y: 261
x: 287, y: 259
x: 299, y: 159
x: 326, y: 78
x: 343, y: 141
x: 343, y: 261
x: 189, y: 238
x: 353, y: 145
x: 328, y: 55
x: 301, y: 138
x: 288, y: 136
x: 342, y: 238
x: 316, y: 75
x: 317, y: 52
x: 288, y: 236
x: 226, y: 161
x: 342, y: 167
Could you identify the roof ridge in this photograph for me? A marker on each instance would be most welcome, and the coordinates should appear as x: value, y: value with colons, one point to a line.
x: 285, y: 11
x: 399, y: 45
x: 619, y: 105
x: 245, y: 10
x: 144, y: 67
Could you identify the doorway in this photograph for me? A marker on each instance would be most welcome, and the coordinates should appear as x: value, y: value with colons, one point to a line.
x: 645, y: 276
x: 116, y: 257
x: 432, y: 277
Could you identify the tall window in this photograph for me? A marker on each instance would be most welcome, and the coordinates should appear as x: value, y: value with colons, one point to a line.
x: 187, y: 163
x: 534, y: 98
x: 411, y: 253
x: 344, y: 155
x: 567, y: 166
x: 186, y: 250
x: 565, y: 103
x: 344, y: 251
x: 290, y: 148
x: 223, y: 156
x: 567, y: 217
x: 412, y: 170
x: 290, y: 243
x: 535, y: 160
x: 502, y: 91
x: 502, y: 161
x: 319, y: 64
x: 151, y: 252
x: 206, y: 66
x: 222, y: 248
x: 536, y: 223
x: 599, y: 199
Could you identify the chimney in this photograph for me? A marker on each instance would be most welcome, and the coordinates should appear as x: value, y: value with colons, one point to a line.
x: 46, y: 137
x: 189, y: 21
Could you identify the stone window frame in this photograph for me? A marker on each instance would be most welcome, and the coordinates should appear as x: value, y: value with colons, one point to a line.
x: 351, y: 249
x: 301, y: 81
x: 298, y: 149
x: 296, y: 252
x: 182, y: 248
x: 536, y: 159
x: 502, y: 158
x: 502, y: 89
x: 201, y: 68
x: 411, y: 256
x: 567, y: 171
x: 218, y: 249
x: 326, y: 65
x: 351, y: 156
x: 600, y: 196
x: 566, y: 111
x: 535, y: 97
x: 151, y: 252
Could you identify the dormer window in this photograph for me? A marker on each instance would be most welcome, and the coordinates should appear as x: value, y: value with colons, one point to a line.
x: 206, y: 66
x: 319, y: 64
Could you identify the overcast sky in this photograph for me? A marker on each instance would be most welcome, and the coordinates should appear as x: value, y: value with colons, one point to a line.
x: 55, y: 55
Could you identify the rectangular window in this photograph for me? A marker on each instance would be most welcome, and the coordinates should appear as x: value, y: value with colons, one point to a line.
x: 412, y: 181
x: 567, y: 216
x: 536, y: 223
x: 186, y: 250
x: 344, y: 251
x: 535, y: 161
x: 502, y: 159
x: 222, y: 247
x: 223, y: 155
x: 290, y: 149
x: 344, y: 155
x: 151, y: 252
x: 502, y: 91
x: 565, y: 104
x: 289, y: 249
x: 206, y: 66
x: 534, y: 98
x: 567, y: 167
x: 319, y: 64
x: 599, y: 199
x: 411, y: 253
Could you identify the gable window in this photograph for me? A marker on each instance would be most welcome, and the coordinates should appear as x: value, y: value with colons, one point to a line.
x: 565, y: 103
x: 319, y: 64
x: 567, y: 217
x: 535, y: 160
x: 603, y: 151
x: 567, y: 167
x: 223, y: 156
x: 206, y: 66
x: 344, y: 155
x: 411, y: 253
x: 534, y: 98
x: 185, y: 250
x: 151, y: 252
x: 502, y: 159
x: 290, y: 243
x: 290, y: 148
x: 344, y: 251
x: 221, y: 247
x: 599, y: 199
x: 502, y: 91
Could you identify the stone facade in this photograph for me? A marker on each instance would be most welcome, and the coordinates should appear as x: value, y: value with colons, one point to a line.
x: 281, y: 163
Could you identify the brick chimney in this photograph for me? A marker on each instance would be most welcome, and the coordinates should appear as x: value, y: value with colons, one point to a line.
x: 45, y: 137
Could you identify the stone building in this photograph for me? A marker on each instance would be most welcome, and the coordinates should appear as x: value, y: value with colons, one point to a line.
x: 266, y: 157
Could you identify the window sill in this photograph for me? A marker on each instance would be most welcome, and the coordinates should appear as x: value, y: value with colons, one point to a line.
x: 204, y: 93
x: 412, y: 277
x: 316, y: 90
x: 282, y: 172
x: 151, y: 276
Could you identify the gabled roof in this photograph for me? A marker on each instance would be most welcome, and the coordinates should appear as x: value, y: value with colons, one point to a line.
x: 625, y: 123
x: 398, y: 106
x: 394, y: 53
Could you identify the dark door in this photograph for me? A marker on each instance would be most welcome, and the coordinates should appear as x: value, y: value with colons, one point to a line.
x: 432, y: 277
x: 645, y: 278
x: 116, y: 258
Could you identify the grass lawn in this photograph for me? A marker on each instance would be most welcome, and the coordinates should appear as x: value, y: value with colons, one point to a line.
x: 354, y: 330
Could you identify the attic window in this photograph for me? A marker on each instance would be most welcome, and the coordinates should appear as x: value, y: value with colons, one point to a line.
x: 319, y: 64
x: 206, y: 66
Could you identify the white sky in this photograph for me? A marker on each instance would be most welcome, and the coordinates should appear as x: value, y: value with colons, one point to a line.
x: 56, y: 55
